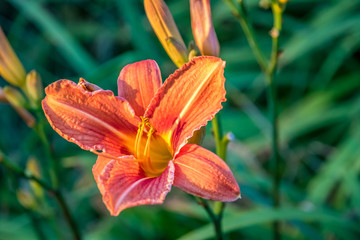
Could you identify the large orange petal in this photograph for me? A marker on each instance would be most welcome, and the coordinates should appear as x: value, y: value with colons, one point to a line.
x: 98, y: 168
x: 188, y: 99
x: 138, y: 82
x: 202, y: 173
x: 123, y: 184
x: 96, y: 121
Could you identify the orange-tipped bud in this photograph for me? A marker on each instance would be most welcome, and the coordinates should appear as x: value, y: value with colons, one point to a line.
x: 34, y: 86
x: 17, y: 101
x: 202, y: 27
x: 166, y: 30
x: 88, y: 86
x: 11, y: 68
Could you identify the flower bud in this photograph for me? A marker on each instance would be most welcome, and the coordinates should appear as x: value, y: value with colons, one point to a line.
x: 2, y: 96
x: 32, y: 167
x: 166, y: 30
x: 88, y: 86
x: 34, y: 86
x: 11, y: 68
x: 17, y: 101
x: 202, y: 27
x: 14, y: 97
x: 26, y: 199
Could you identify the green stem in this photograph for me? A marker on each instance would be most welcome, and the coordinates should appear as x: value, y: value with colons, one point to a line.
x: 221, y: 143
x: 272, y: 99
x: 55, y: 168
x: 216, y: 219
x: 239, y: 14
x: 57, y: 193
x: 60, y: 198
x: 36, y: 225
x: 218, y: 135
x: 268, y: 69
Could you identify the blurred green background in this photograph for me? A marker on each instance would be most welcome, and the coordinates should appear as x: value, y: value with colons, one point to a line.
x: 318, y: 84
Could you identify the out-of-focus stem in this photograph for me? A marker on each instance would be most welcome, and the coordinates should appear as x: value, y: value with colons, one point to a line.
x: 272, y: 99
x: 36, y: 225
x: 214, y: 218
x: 57, y: 193
x: 239, y: 14
x: 268, y: 68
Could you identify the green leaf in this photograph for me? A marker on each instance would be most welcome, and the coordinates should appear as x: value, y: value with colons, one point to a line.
x: 263, y: 216
x: 77, y: 57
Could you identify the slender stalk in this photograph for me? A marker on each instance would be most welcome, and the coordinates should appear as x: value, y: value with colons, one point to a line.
x: 218, y: 135
x: 36, y: 225
x: 57, y: 193
x: 272, y: 99
x: 60, y: 198
x: 221, y: 143
x: 268, y: 68
x: 214, y: 218
x: 239, y: 14
x: 221, y: 152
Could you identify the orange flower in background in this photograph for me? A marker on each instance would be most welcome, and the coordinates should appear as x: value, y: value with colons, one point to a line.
x: 141, y: 135
x: 202, y: 28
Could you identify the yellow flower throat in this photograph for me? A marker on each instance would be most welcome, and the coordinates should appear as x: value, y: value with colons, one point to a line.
x: 150, y: 149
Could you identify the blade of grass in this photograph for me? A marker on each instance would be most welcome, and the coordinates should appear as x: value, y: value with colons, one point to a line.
x: 71, y: 50
x: 265, y: 216
x: 336, y: 168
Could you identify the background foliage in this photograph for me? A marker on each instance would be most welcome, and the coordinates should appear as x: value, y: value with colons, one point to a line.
x: 318, y: 83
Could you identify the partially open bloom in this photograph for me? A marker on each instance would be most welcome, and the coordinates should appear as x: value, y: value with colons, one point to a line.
x: 202, y: 28
x: 141, y: 135
x: 166, y: 30
x: 11, y: 68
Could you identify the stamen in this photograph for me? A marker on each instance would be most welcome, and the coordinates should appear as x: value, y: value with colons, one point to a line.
x: 147, y: 146
x: 139, y: 135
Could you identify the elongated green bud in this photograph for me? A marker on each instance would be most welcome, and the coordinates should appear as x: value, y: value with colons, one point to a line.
x: 34, y: 86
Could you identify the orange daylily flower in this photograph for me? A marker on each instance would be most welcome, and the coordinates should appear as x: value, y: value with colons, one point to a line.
x: 141, y: 135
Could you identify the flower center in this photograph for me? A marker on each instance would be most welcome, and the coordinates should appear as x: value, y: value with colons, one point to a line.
x: 150, y: 149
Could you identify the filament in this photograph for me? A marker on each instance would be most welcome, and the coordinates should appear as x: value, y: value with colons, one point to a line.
x: 147, y: 146
x: 139, y: 135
